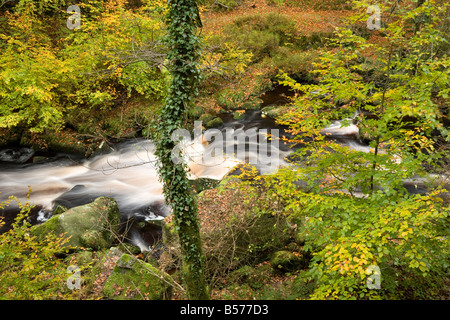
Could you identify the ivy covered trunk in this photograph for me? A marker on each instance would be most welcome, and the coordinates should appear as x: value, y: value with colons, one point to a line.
x: 183, y: 20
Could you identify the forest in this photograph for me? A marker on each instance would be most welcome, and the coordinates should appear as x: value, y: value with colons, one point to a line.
x: 327, y: 123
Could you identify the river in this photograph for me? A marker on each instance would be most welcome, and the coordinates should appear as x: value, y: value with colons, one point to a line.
x: 128, y: 173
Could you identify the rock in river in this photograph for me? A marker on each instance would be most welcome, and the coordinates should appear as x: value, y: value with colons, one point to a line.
x: 16, y: 155
x: 91, y: 226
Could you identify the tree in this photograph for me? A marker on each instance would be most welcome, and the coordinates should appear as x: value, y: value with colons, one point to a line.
x: 53, y: 78
x: 183, y: 42
x: 356, y: 212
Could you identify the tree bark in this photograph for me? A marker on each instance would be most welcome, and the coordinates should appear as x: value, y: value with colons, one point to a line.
x: 183, y: 21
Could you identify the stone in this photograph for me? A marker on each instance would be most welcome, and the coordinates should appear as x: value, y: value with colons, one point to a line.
x: 59, y: 209
x: 92, y: 225
x: 16, y: 155
x: 253, y: 104
x: 130, y: 248
x: 285, y: 261
x: 214, y: 123
x: 255, y: 277
x: 101, y: 149
x: 205, y: 118
x: 135, y: 279
x: 41, y: 159
x: 77, y: 196
x: 201, y: 184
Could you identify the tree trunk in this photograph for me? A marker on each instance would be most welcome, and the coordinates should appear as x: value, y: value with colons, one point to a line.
x: 182, y: 20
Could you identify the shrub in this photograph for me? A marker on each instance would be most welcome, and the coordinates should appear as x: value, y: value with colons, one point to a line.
x: 31, y: 269
x: 237, y: 230
x: 295, y: 288
x: 263, y: 34
x: 65, y: 77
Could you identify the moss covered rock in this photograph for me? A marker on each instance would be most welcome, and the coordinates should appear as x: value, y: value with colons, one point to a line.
x: 130, y: 248
x: 135, y: 279
x: 214, y: 123
x: 201, y: 184
x: 205, y: 118
x: 241, y: 275
x: 285, y: 261
x: 253, y: 104
x: 59, y: 209
x: 272, y: 111
x: 91, y: 226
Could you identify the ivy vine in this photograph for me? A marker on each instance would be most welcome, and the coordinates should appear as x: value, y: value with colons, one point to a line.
x: 183, y: 41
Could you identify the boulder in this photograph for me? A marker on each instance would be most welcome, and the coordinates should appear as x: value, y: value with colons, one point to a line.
x: 59, y: 209
x: 91, y: 226
x: 16, y: 155
x: 102, y: 149
x: 135, y: 279
x: 271, y: 111
x: 285, y: 261
x: 214, y: 123
x: 77, y: 196
x: 128, y: 247
x: 205, y: 118
x: 252, y: 104
x: 202, y: 184
x: 41, y: 159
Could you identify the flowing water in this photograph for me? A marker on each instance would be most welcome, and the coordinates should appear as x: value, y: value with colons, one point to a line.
x: 128, y: 172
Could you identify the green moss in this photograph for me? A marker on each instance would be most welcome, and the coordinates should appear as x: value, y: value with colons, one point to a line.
x: 201, y: 184
x: 252, y: 104
x: 255, y: 278
x: 240, y: 275
x: 214, y: 123
x: 136, y: 279
x: 93, y: 225
x: 129, y: 248
x: 223, y: 5
x: 285, y: 261
x: 206, y: 117
x: 52, y: 225
x: 300, y: 238
x: 81, y: 258
x: 169, y: 233
x: 59, y: 209
x: 292, y: 289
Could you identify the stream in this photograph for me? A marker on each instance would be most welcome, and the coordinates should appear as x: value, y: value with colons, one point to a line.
x: 128, y: 173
